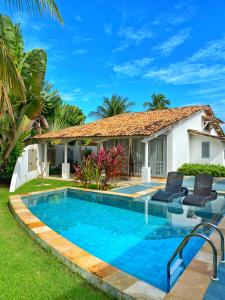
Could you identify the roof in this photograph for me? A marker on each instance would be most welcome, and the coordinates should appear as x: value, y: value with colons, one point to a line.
x: 131, y: 124
x: 196, y: 132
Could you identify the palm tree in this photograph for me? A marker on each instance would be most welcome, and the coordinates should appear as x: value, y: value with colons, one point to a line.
x: 112, y: 106
x: 66, y: 116
x: 10, y: 78
x: 159, y: 101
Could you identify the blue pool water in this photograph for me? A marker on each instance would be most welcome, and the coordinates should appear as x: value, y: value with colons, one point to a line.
x: 137, y: 237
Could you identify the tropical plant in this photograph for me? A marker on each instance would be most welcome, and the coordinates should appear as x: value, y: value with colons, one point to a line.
x: 31, y: 67
x: 110, y: 163
x: 11, y: 51
x: 87, y: 172
x: 31, y: 6
x: 100, y: 167
x: 159, y: 101
x: 112, y: 106
x: 66, y: 116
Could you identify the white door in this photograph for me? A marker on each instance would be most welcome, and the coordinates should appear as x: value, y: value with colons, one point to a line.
x: 157, y: 154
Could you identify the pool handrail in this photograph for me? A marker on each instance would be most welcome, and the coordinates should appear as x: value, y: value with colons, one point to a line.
x: 207, y: 224
x: 180, y: 248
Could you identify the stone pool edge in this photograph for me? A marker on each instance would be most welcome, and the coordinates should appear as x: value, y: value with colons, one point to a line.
x: 193, y: 282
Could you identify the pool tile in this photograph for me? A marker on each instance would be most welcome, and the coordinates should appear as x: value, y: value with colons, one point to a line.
x: 60, y: 244
x: 194, y: 278
x: 187, y: 291
x: 74, y: 253
x: 36, y: 224
x: 87, y: 261
x: 144, y: 291
x: 102, y: 269
x: 48, y: 235
x: 201, y: 267
x: 172, y: 297
x: 41, y: 229
x: 204, y: 256
x: 121, y: 280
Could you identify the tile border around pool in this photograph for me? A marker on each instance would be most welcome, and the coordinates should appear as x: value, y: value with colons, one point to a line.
x: 191, y: 285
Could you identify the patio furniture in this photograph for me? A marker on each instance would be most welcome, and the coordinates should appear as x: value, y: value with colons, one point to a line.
x: 173, y: 188
x: 202, y: 191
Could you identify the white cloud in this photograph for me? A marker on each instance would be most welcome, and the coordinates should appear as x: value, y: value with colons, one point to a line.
x: 187, y: 73
x: 107, y: 27
x: 132, y: 68
x: 80, y: 52
x: 173, y: 42
x: 132, y: 36
x: 213, y: 50
x: 179, y: 14
x: 135, y: 35
x: 205, y: 65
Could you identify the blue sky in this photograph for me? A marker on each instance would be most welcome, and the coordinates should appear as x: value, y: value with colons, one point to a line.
x: 134, y: 48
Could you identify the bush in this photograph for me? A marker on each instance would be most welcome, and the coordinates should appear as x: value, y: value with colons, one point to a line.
x: 101, y: 167
x: 194, y: 169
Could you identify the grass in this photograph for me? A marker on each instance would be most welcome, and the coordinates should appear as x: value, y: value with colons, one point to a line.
x: 28, y: 271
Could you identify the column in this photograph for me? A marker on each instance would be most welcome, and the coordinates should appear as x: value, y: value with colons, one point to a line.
x: 65, y: 165
x: 45, y: 163
x: 146, y: 170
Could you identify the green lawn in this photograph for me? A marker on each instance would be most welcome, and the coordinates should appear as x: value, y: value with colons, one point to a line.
x: 26, y: 270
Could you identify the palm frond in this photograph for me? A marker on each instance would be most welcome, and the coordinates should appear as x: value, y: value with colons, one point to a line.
x: 9, y: 73
x: 40, y: 6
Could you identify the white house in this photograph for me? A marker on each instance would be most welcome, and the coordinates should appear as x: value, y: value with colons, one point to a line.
x: 156, y: 141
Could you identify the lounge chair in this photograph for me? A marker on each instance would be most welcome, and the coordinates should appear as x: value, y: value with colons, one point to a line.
x: 173, y: 188
x: 202, y: 191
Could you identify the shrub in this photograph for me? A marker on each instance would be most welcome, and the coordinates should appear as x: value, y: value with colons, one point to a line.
x: 101, y: 167
x: 194, y: 169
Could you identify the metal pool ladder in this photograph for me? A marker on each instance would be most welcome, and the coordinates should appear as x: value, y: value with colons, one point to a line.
x: 179, y: 265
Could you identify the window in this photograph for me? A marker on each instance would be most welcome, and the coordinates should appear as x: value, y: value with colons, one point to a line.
x: 205, y: 149
x: 32, y: 160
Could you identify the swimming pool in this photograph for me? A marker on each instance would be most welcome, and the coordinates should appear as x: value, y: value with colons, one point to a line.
x: 137, y: 235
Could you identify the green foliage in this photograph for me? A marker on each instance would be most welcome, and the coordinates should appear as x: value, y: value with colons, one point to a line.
x: 33, y: 6
x: 112, y: 106
x: 158, y: 102
x: 194, y: 169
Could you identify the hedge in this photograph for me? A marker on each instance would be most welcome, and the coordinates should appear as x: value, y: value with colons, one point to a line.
x: 194, y: 169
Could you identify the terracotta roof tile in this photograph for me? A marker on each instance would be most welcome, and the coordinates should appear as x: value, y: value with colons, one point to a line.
x: 130, y: 124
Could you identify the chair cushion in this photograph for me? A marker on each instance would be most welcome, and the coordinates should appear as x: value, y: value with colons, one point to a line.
x: 196, y: 200
x: 165, y: 196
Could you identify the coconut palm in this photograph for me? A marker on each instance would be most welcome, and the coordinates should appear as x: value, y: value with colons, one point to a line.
x: 159, y: 101
x: 112, y: 106
x: 67, y: 116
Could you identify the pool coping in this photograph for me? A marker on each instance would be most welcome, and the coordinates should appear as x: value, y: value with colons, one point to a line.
x: 191, y: 285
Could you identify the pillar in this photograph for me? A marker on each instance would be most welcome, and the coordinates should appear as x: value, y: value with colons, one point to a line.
x: 45, y: 163
x: 146, y: 170
x: 65, y: 165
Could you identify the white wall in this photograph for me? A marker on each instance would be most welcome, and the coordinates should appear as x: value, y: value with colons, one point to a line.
x: 180, y: 141
x: 216, y: 150
x: 20, y: 173
x: 184, y: 148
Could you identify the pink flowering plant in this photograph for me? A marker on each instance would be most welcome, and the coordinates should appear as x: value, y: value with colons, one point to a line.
x: 101, y: 167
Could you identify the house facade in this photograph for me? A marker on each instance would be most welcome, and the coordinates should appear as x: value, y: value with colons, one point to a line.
x: 156, y: 142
